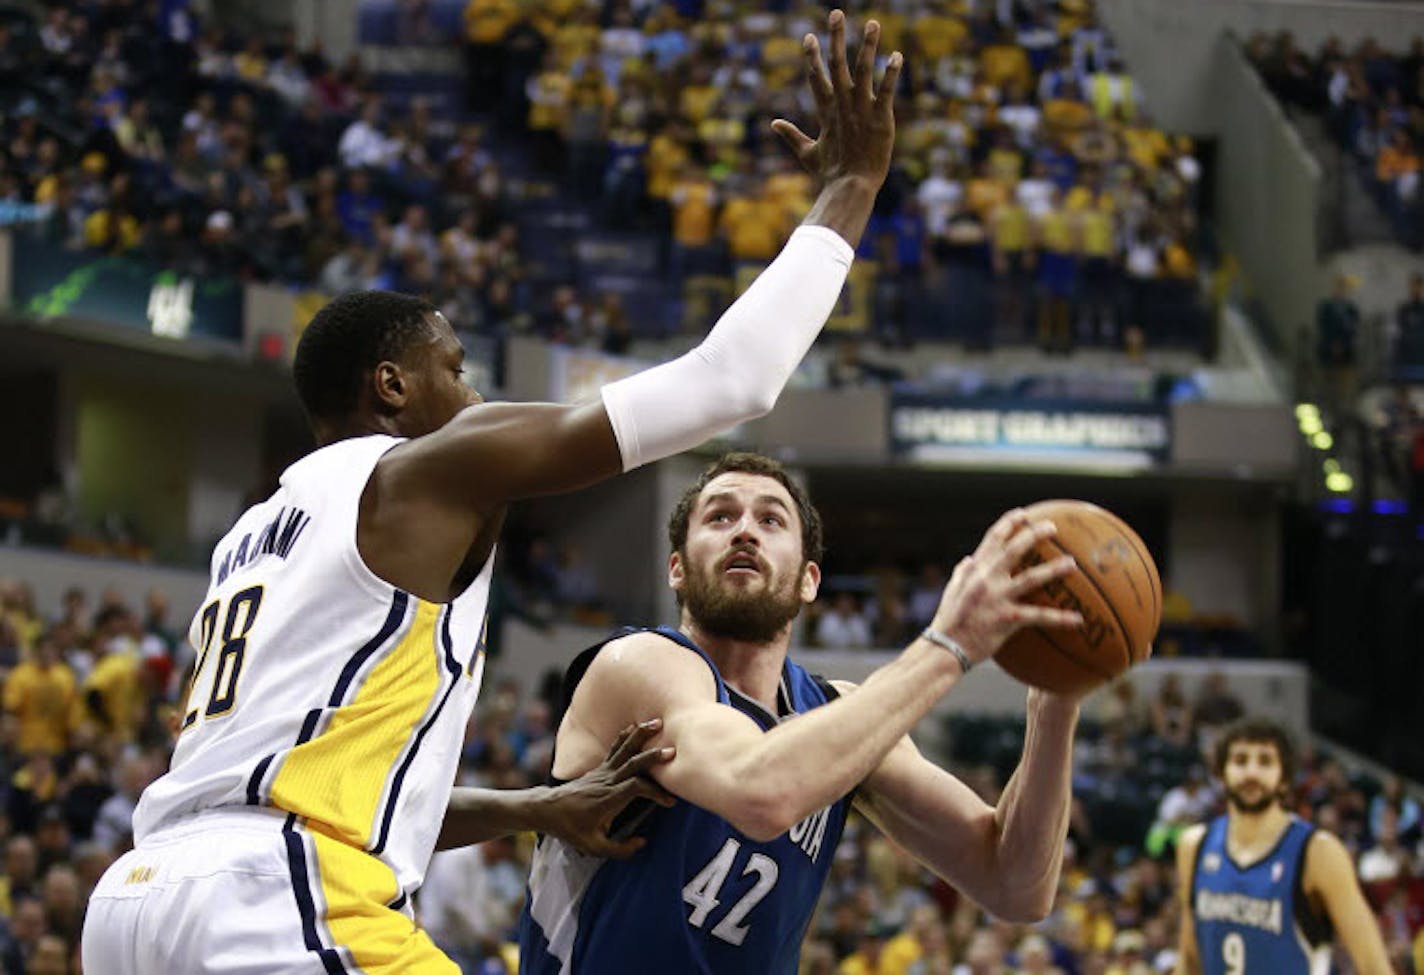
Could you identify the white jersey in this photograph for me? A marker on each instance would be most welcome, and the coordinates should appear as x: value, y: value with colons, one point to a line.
x: 319, y: 689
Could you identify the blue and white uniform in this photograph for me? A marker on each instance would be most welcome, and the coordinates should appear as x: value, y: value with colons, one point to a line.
x: 1256, y: 917
x: 700, y: 896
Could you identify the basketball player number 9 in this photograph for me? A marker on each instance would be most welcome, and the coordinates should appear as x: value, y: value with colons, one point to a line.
x: 241, y: 614
x: 1233, y: 952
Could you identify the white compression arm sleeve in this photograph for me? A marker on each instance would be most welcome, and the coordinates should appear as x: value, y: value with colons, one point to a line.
x: 740, y: 368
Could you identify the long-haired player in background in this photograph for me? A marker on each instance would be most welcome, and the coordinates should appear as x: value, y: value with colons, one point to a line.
x: 339, y: 645
x: 1263, y: 891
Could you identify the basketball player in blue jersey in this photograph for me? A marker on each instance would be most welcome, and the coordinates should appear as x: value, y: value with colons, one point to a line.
x: 1261, y: 889
x: 770, y: 758
x: 340, y: 649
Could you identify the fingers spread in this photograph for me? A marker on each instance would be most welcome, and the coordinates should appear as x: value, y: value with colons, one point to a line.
x: 865, y: 62
x: 886, y: 94
x: 1039, y: 575
x: 999, y: 532
x: 840, y: 71
x: 631, y: 739
x: 1023, y: 542
x: 816, y: 75
x: 1048, y: 616
x: 645, y: 788
x: 644, y: 761
x: 799, y: 141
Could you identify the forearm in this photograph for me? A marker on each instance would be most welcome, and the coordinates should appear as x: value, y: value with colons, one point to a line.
x: 740, y: 368
x: 476, y: 815
x: 1032, y: 814
x: 807, y: 764
x: 845, y: 207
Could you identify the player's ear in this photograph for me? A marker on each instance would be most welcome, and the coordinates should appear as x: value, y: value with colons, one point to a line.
x: 676, y: 573
x: 810, y: 582
x: 390, y: 387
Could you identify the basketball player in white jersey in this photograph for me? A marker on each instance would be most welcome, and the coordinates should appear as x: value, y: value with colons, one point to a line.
x: 339, y: 645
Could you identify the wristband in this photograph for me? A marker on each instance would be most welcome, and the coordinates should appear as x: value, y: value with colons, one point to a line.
x: 940, y: 640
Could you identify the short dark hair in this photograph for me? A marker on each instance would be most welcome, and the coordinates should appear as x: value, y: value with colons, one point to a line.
x: 748, y: 463
x: 1258, y: 730
x: 349, y: 337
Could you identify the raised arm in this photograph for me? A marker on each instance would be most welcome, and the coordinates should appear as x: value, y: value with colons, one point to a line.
x: 764, y: 783
x: 1007, y: 858
x: 494, y: 453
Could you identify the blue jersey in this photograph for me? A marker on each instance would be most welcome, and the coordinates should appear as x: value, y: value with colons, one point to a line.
x: 700, y: 896
x: 1256, y: 917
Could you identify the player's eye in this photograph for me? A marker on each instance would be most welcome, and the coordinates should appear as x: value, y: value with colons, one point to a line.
x: 772, y: 520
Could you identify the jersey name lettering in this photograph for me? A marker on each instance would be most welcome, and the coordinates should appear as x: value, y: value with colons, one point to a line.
x: 277, y: 537
x: 809, y: 833
x: 1255, y: 912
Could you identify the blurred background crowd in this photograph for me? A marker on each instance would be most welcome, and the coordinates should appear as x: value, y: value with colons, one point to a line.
x: 1032, y: 197
x: 90, y: 696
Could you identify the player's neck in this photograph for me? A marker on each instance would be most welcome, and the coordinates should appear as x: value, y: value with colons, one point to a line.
x: 327, y: 432
x: 1254, y: 833
x: 754, y: 669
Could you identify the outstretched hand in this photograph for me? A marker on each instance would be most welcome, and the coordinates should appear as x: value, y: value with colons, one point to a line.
x: 857, y: 120
x: 583, y: 810
x: 984, y: 603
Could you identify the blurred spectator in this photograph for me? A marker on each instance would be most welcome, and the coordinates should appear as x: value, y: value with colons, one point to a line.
x: 1392, y: 798
x: 1387, y: 859
x: 1180, y: 807
x: 41, y: 693
x: 1337, y: 323
x: 1216, y: 705
x: 1408, y: 348
x: 842, y: 625
x: 1171, y: 715
x: 469, y: 901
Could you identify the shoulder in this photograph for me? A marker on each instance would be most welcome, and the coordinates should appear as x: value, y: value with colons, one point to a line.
x: 1325, y: 858
x: 652, y: 665
x: 1189, y: 842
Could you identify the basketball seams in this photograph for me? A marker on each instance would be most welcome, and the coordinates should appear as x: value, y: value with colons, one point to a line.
x: 1149, y: 565
x: 1107, y: 601
x: 1091, y: 665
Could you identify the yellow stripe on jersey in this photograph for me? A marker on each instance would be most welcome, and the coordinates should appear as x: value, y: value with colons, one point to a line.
x: 356, y: 887
x: 335, y: 781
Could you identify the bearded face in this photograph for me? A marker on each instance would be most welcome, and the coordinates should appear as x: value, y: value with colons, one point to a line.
x: 741, y: 574
x: 1253, y: 777
x: 744, y: 601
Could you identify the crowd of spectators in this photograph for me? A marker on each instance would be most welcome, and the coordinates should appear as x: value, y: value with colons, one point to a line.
x: 90, y: 694
x: 1026, y: 158
x: 1372, y: 101
x: 1393, y: 439
x: 886, y: 606
x: 218, y: 154
x: 1025, y: 151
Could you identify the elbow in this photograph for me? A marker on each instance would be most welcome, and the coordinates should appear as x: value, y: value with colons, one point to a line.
x: 1021, y: 907
x: 759, y: 821
x: 761, y: 813
x: 751, y: 404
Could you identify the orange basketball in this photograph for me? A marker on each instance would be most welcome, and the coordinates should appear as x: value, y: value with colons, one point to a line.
x: 1115, y: 587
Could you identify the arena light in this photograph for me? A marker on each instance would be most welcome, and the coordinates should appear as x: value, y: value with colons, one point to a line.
x: 1322, y: 441
x: 1339, y: 482
x: 1303, y: 410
